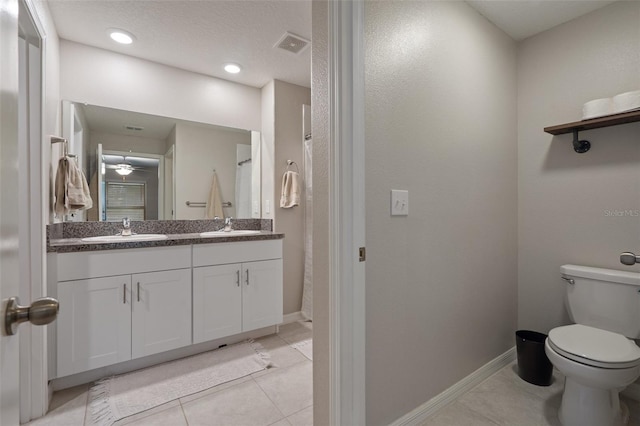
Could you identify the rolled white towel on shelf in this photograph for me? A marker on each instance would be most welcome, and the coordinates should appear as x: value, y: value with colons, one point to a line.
x: 627, y: 101
x: 597, y: 108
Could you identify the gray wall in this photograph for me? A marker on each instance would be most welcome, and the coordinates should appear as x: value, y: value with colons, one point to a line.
x: 289, y: 99
x: 320, y: 131
x: 441, y: 123
x: 564, y: 196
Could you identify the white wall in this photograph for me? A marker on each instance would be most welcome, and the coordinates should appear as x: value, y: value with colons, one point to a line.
x: 199, y: 150
x: 441, y: 123
x: 113, y: 80
x: 564, y: 196
x: 118, y: 142
x: 268, y: 103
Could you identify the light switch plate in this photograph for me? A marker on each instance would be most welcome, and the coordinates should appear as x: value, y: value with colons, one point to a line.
x: 399, y: 202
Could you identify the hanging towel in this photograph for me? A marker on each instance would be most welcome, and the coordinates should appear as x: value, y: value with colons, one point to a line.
x: 290, y: 190
x: 71, y: 188
x: 214, y: 203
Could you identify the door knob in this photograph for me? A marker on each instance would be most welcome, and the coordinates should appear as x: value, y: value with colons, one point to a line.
x: 628, y: 258
x: 41, y: 312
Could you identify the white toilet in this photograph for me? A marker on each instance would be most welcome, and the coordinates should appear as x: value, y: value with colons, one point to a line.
x: 595, y: 354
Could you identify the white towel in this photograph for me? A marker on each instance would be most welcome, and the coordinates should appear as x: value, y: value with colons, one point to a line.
x: 214, y: 203
x: 290, y: 190
x: 71, y: 188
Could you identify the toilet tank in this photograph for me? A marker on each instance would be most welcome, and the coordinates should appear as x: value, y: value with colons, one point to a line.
x: 604, y: 298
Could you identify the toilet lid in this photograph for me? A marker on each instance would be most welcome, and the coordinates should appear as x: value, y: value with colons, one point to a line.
x: 593, y: 346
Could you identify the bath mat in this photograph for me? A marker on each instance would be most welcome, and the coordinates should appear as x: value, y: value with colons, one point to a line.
x: 117, y: 397
x: 305, y: 347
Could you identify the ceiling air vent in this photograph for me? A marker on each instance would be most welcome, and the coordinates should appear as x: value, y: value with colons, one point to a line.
x: 135, y: 128
x: 292, y: 43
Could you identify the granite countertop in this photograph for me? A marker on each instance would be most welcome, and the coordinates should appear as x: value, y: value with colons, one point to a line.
x: 72, y: 245
x: 67, y: 237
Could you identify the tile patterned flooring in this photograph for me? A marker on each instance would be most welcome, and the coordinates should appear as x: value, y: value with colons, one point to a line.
x: 282, y: 396
x: 505, y: 399
x: 278, y: 396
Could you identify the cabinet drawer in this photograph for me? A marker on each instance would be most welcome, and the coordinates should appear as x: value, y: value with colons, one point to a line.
x: 104, y: 263
x: 246, y: 251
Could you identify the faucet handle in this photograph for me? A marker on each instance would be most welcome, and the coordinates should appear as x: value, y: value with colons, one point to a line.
x: 126, y: 222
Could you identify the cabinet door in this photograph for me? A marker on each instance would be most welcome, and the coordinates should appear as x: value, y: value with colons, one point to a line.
x: 161, y: 311
x: 261, y: 294
x: 94, y: 323
x: 217, y: 303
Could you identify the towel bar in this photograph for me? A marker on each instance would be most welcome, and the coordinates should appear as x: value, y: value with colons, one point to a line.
x: 204, y: 204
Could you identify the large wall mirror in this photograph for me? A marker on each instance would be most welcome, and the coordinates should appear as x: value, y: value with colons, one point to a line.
x: 147, y: 167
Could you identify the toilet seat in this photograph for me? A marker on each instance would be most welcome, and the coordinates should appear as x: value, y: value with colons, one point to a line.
x: 594, y: 347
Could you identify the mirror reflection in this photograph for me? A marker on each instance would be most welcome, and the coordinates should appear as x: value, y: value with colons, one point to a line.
x: 147, y: 167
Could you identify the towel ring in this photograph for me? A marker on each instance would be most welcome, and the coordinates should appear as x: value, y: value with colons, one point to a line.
x: 290, y: 163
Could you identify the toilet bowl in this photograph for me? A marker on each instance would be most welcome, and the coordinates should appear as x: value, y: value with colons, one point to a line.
x: 592, y: 386
x: 596, y: 355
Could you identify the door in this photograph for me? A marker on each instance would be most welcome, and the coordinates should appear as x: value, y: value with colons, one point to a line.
x: 94, y: 326
x: 9, y: 262
x: 261, y: 294
x: 217, y: 302
x: 161, y: 312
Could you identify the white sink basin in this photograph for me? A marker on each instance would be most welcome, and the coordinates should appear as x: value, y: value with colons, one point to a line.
x: 234, y: 233
x: 125, y: 239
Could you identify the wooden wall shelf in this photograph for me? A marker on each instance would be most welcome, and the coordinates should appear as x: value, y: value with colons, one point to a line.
x: 595, y: 123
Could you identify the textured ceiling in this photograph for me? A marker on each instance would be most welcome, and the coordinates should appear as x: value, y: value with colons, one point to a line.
x: 524, y: 18
x: 199, y: 36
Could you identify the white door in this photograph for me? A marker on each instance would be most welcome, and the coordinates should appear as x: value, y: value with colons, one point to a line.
x: 161, y: 312
x: 217, y: 302
x: 261, y: 294
x: 9, y: 263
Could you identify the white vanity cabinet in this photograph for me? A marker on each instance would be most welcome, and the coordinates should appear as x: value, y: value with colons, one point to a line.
x: 108, y: 319
x: 237, y: 287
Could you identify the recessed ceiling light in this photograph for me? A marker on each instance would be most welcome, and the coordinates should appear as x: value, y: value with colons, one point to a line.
x: 232, y: 68
x: 121, y: 36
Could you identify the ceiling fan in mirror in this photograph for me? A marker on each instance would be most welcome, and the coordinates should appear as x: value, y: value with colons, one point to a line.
x: 124, y: 165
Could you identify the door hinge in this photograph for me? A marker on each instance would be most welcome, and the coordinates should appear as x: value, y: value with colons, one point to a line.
x: 363, y: 254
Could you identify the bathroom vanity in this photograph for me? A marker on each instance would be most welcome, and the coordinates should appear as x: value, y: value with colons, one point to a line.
x: 118, y: 305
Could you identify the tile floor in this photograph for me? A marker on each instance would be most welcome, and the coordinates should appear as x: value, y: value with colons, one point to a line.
x: 282, y: 396
x: 505, y: 399
x: 278, y: 396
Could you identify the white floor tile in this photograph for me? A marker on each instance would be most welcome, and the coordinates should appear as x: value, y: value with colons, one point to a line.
x: 155, y: 412
x: 457, y: 414
x: 170, y: 417
x: 241, y: 405
x: 302, y: 418
x: 71, y: 413
x: 291, y: 388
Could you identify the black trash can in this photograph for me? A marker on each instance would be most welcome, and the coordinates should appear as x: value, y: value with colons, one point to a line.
x: 533, y: 364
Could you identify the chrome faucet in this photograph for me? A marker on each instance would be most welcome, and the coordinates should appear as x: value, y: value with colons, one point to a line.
x: 228, y: 225
x: 126, y: 227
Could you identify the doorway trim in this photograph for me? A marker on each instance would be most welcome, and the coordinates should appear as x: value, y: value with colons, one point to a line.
x: 346, y: 213
x: 33, y: 341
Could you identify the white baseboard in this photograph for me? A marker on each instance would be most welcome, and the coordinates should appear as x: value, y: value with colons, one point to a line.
x: 292, y: 317
x: 420, y: 414
x: 632, y: 391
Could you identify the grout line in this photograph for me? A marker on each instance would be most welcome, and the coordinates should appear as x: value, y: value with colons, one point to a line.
x: 183, y: 413
x: 271, y: 400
